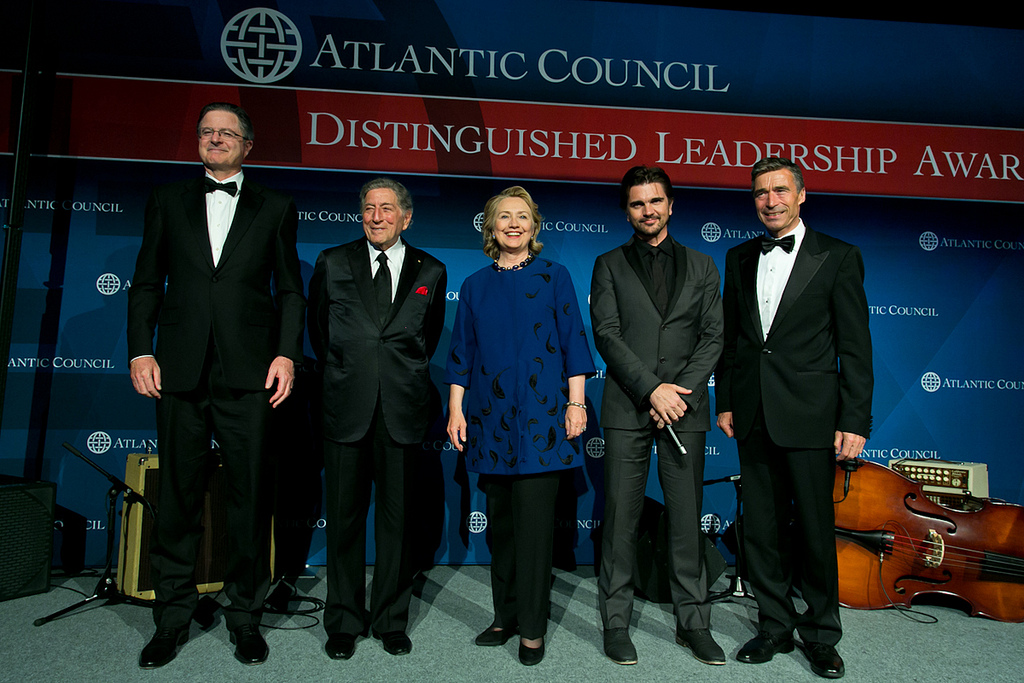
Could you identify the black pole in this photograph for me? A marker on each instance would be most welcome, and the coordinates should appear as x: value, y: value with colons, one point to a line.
x: 16, y: 207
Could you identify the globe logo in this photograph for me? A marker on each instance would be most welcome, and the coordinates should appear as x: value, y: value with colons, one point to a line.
x: 261, y: 45
x: 930, y: 382
x: 928, y: 241
x: 108, y: 284
x: 711, y: 380
x: 595, y: 447
x: 711, y: 232
x: 478, y: 222
x: 710, y: 523
x: 99, y: 442
x: 476, y: 522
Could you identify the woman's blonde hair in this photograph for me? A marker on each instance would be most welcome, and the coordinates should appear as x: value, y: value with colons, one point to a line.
x: 491, y: 216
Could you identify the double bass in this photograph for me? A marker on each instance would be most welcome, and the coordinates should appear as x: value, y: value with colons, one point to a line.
x: 894, y: 544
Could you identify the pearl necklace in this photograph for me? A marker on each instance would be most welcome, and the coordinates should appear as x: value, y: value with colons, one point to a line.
x: 525, y: 262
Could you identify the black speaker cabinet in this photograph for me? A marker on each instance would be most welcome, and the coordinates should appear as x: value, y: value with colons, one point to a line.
x: 26, y: 536
x: 133, y: 567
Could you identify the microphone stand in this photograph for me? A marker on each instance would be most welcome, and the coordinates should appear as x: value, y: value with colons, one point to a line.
x: 737, y: 586
x: 106, y: 589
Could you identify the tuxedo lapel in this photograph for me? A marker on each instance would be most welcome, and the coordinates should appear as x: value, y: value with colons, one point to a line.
x: 748, y: 286
x: 808, y: 260
x: 249, y: 203
x: 194, y: 201
x: 410, y: 269
x: 679, y: 256
x: 359, y: 262
x: 636, y: 262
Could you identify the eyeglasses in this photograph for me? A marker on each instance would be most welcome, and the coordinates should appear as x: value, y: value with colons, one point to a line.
x: 205, y: 133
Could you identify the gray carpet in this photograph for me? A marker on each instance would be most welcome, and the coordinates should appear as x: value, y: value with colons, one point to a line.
x: 102, y: 643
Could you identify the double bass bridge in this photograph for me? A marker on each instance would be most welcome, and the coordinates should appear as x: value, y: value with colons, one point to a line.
x: 934, y: 549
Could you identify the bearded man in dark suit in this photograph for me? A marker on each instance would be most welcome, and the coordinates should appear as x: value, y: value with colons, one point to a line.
x: 657, y: 319
x: 375, y: 316
x: 794, y: 388
x: 218, y: 278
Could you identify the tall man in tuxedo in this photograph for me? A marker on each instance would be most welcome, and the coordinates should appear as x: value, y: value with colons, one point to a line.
x: 657, y: 319
x: 794, y: 388
x: 375, y: 316
x: 218, y: 277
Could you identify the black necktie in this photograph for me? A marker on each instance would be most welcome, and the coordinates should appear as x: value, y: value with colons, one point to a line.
x: 382, y: 286
x: 658, y: 280
x: 212, y: 186
x: 787, y: 243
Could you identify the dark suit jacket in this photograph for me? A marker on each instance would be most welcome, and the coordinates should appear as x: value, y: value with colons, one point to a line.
x: 642, y: 348
x: 360, y: 356
x: 813, y: 373
x: 251, y: 322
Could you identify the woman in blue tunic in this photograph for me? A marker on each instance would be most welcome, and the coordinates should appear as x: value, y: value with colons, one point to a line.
x: 517, y: 366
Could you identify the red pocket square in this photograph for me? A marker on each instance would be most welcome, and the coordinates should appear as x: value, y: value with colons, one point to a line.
x: 422, y: 290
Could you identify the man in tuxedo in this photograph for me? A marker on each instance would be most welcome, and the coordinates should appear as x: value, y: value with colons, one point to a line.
x: 375, y: 316
x: 657, y: 319
x: 794, y: 388
x: 218, y: 277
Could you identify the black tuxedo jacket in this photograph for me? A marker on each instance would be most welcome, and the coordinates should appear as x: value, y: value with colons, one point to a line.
x: 812, y: 374
x: 643, y: 348
x: 361, y: 357
x: 251, y: 321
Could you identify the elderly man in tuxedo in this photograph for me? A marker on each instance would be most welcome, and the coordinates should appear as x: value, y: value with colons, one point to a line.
x: 657, y: 319
x: 375, y: 316
x: 218, y: 282
x: 794, y: 388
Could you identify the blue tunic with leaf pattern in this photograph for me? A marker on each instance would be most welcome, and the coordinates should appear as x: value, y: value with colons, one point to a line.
x: 518, y: 337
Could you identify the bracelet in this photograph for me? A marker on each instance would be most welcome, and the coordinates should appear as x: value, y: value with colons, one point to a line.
x: 574, y: 403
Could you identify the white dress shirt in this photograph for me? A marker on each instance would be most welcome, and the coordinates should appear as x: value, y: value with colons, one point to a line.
x: 220, y: 211
x: 396, y: 257
x: 773, y: 270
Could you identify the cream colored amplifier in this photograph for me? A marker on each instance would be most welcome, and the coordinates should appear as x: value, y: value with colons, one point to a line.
x: 944, y: 477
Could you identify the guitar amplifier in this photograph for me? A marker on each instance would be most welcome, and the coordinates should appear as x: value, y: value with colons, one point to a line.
x: 943, y: 478
x: 134, y: 578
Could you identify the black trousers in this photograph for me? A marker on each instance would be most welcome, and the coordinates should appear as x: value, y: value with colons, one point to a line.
x: 627, y: 461
x: 789, y: 526
x: 350, y: 470
x: 521, y: 517
x: 238, y: 421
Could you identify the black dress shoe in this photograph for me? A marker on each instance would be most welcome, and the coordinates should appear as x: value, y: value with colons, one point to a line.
x: 395, y: 642
x: 528, y: 656
x: 250, y: 648
x: 340, y: 645
x: 494, y: 636
x: 163, y: 647
x: 618, y: 646
x: 702, y: 645
x: 824, y: 659
x: 762, y: 647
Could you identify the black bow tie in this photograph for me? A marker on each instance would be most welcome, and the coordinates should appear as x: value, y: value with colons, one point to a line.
x: 212, y: 186
x: 787, y: 243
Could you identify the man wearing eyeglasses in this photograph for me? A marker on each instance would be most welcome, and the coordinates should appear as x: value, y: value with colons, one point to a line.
x: 218, y: 278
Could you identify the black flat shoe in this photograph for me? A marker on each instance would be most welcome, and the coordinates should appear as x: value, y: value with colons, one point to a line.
x: 495, y: 637
x: 528, y: 656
